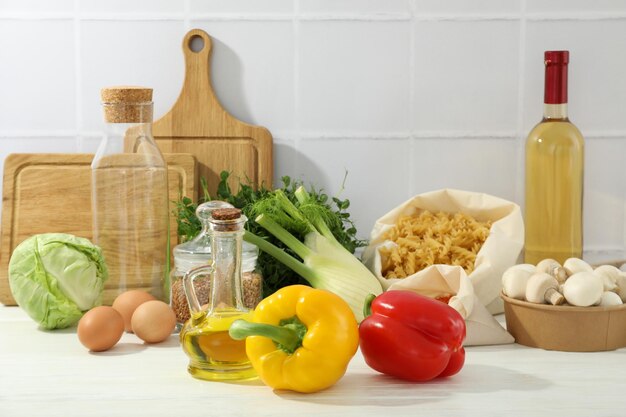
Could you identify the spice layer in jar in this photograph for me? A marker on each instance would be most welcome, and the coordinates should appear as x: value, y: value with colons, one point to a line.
x: 197, y: 252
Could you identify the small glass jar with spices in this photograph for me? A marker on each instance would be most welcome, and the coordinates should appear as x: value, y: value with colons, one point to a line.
x: 197, y: 252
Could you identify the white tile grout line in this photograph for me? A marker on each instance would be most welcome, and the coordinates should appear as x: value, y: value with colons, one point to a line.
x: 77, y: 76
x: 403, y: 135
x: 88, y: 17
x: 519, y: 177
x: 372, y: 17
x: 413, y: 16
x: 36, y: 16
x: 330, y: 135
x: 39, y: 134
x: 582, y: 16
x: 296, y: 83
x: 411, y: 109
x: 187, y: 15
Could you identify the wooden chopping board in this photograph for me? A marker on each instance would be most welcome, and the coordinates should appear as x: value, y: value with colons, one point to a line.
x: 52, y: 193
x: 198, y: 124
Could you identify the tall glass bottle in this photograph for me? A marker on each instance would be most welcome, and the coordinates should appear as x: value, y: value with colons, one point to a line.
x: 554, y: 173
x: 130, y: 196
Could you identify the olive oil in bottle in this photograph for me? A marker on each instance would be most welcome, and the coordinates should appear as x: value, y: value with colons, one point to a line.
x: 554, y: 174
x: 213, y: 354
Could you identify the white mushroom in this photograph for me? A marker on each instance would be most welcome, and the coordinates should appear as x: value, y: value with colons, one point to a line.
x: 552, y: 267
x: 583, y: 289
x: 609, y: 275
x: 561, y: 274
x: 609, y: 298
x: 575, y: 265
x: 543, y: 288
x: 514, y: 280
x: 621, y: 286
x: 547, y: 265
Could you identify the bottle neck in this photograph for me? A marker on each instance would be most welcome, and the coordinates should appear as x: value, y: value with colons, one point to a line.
x: 555, y: 88
x: 555, y: 111
x: 131, y: 122
x: 226, y: 249
x: 125, y: 130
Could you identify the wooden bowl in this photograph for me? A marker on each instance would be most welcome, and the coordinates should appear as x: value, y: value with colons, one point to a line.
x: 566, y: 328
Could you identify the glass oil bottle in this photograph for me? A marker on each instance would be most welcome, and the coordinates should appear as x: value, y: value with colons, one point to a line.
x: 213, y: 354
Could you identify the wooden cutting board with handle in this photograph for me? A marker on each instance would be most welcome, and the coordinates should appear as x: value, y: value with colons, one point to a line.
x: 45, y: 193
x: 198, y: 124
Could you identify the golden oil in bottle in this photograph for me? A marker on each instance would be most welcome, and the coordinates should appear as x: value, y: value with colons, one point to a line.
x: 213, y: 354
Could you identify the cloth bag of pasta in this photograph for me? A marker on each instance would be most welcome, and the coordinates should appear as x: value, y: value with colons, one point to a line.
x: 481, y: 233
x: 452, y: 283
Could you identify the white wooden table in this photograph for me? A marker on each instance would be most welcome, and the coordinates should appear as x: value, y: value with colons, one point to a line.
x: 52, y: 374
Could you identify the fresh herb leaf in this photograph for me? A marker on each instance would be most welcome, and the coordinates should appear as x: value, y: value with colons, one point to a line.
x: 275, y: 274
x: 185, y: 211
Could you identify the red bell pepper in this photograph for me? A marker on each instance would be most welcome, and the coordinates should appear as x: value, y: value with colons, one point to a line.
x: 411, y: 336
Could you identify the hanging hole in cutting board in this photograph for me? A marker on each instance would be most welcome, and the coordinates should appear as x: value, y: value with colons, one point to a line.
x: 196, y: 43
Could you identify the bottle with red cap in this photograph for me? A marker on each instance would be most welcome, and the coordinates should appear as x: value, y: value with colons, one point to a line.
x: 554, y: 173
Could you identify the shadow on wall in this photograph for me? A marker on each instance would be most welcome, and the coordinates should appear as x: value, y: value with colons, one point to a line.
x: 288, y: 160
x: 298, y: 165
x: 227, y: 81
x: 226, y: 70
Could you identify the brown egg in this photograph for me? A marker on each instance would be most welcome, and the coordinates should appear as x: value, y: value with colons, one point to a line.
x: 153, y: 321
x: 100, y: 328
x: 127, y: 302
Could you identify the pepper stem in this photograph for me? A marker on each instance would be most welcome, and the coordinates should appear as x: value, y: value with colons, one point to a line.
x: 367, y: 307
x: 287, y: 335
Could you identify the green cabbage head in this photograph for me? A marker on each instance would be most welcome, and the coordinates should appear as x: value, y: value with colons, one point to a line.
x: 56, y: 277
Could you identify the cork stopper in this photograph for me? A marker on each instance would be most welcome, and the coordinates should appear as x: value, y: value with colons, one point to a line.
x: 226, y: 220
x: 127, y: 104
x: 226, y: 214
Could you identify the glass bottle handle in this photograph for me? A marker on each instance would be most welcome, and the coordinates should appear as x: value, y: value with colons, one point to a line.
x: 190, y: 291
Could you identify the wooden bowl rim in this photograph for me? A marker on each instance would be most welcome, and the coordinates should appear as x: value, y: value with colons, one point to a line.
x: 564, y: 309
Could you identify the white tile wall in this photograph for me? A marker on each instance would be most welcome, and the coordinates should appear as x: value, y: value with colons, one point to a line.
x: 604, y: 195
x: 596, y: 70
x: 406, y: 95
x: 248, y: 7
x: 37, y: 86
x: 112, y: 52
x: 560, y: 6
x: 475, y: 7
x: 466, y: 165
x: 466, y: 76
x: 136, y: 6
x: 355, y: 6
x: 365, y: 93
x: 376, y: 173
x: 253, y: 71
x: 285, y: 159
x: 35, y: 6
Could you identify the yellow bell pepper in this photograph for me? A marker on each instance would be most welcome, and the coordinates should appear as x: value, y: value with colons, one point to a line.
x: 300, y: 338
